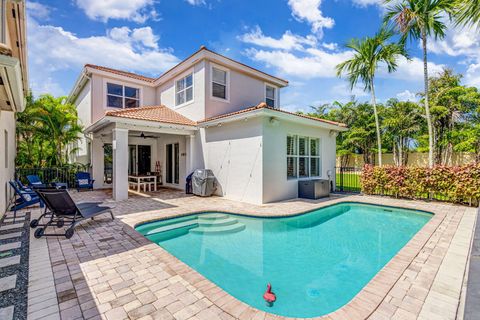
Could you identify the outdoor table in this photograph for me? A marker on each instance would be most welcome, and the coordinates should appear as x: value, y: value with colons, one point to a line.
x: 139, y: 180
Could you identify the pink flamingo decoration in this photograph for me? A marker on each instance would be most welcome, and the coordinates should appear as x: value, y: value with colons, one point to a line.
x: 269, y: 296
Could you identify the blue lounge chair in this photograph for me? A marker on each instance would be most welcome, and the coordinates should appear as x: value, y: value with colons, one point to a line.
x: 35, y: 182
x: 25, y: 199
x: 83, y: 181
x: 23, y: 187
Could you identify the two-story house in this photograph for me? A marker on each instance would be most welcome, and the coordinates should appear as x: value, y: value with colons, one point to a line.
x: 13, y: 85
x: 208, y: 111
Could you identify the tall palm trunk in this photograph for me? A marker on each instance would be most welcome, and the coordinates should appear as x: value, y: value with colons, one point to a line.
x: 377, y: 125
x: 427, y: 107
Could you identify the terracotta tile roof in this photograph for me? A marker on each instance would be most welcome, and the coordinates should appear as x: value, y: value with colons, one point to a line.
x: 153, y: 113
x: 120, y: 72
x: 263, y: 105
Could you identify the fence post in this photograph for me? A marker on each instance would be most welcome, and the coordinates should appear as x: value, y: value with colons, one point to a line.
x: 341, y: 179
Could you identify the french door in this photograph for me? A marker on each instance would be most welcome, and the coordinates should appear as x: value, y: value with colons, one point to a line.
x: 172, y: 163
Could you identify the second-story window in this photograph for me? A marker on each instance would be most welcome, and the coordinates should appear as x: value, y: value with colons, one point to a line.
x: 184, y: 90
x: 270, y: 96
x: 219, y: 83
x: 119, y: 96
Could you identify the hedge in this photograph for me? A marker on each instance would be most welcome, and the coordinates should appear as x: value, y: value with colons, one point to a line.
x: 459, y: 184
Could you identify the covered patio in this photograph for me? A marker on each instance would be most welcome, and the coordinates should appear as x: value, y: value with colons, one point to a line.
x: 141, y: 149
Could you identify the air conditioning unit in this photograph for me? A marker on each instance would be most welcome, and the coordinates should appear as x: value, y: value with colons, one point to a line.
x: 313, y: 188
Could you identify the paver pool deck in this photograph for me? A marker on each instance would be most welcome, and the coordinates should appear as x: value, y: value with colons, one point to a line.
x: 109, y: 271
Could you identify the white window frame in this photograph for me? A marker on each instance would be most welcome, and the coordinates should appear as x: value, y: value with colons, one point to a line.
x: 182, y: 76
x: 275, y: 99
x: 227, y: 84
x: 123, y: 84
x: 296, y: 156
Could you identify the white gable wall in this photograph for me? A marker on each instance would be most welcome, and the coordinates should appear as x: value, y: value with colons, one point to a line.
x: 194, y: 110
x: 244, y: 91
x: 276, y: 185
x: 234, y: 153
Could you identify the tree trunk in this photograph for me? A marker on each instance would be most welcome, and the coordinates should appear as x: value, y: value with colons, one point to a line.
x: 427, y: 107
x: 377, y: 125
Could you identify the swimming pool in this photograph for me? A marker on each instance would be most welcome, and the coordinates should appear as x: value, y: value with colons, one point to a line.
x: 316, y: 262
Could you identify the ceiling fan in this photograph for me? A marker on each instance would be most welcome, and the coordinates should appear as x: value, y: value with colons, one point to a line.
x: 144, y: 136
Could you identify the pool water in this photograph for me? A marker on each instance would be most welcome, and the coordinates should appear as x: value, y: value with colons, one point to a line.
x: 316, y: 262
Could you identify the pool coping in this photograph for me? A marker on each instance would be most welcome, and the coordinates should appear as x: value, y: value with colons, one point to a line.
x: 364, y: 304
x: 472, y: 307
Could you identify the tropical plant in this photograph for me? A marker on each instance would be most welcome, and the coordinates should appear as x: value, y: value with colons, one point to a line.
x: 402, y: 123
x: 467, y: 13
x: 47, y: 132
x: 455, y: 115
x: 421, y: 19
x: 368, y: 54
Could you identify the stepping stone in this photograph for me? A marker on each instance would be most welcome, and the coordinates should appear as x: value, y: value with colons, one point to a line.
x: 10, y: 246
x: 7, y: 313
x: 7, y: 283
x: 10, y: 235
x: 5, y: 262
x: 16, y: 219
x: 12, y: 226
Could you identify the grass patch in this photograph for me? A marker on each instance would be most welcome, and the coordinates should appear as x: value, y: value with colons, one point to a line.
x: 351, y: 181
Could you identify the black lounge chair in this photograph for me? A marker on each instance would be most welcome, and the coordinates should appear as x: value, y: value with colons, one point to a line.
x: 64, y: 210
x: 34, y: 223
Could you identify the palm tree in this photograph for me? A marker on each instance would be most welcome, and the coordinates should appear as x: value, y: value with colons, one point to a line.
x: 420, y: 19
x: 369, y: 53
x: 467, y: 13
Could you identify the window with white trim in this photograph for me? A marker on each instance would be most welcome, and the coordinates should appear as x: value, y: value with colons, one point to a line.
x: 219, y: 83
x: 270, y: 96
x: 120, y: 96
x: 303, y: 157
x: 184, y: 90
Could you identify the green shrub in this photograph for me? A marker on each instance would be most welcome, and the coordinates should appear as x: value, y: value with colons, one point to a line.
x: 459, y: 184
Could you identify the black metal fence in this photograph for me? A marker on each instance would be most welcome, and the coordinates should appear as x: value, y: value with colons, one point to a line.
x: 347, y: 179
x: 49, y: 175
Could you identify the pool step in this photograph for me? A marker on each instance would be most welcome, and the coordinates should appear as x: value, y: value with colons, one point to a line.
x: 213, y: 216
x: 237, y: 227
x: 202, y: 222
x: 189, y: 223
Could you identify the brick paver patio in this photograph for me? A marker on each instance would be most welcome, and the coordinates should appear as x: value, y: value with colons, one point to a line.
x: 109, y: 271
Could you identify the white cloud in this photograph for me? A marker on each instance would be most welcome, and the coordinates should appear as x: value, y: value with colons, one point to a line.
x: 196, y: 2
x: 288, y: 41
x: 407, y: 95
x: 103, y: 10
x: 54, y: 49
x: 309, y: 11
x: 38, y: 10
x: 316, y: 63
x: 343, y: 90
x: 463, y: 43
x: 411, y: 70
x: 366, y: 3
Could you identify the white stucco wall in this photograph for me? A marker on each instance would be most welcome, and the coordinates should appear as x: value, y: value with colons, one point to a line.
x: 276, y: 185
x: 83, y: 104
x: 195, y: 109
x: 244, y: 91
x: 7, y: 156
x: 99, y: 94
x: 234, y: 153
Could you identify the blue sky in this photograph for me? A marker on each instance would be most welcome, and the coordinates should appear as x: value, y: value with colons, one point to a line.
x: 299, y: 40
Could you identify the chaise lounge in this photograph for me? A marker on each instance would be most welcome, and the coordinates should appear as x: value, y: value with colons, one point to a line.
x: 64, y: 209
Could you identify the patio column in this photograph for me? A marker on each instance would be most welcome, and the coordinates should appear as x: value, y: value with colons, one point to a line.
x: 98, y: 164
x: 189, y: 145
x: 120, y: 163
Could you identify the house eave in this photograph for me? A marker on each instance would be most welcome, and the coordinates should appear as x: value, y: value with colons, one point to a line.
x: 141, y: 125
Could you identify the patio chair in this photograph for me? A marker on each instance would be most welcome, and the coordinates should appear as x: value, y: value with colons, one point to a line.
x: 34, y: 223
x: 22, y: 186
x: 25, y: 199
x: 35, y: 182
x: 64, y: 209
x: 83, y: 181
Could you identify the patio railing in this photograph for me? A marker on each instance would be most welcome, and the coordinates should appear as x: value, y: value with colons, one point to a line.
x: 49, y: 175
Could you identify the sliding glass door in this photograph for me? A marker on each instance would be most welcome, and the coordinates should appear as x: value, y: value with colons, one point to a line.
x: 172, y: 163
